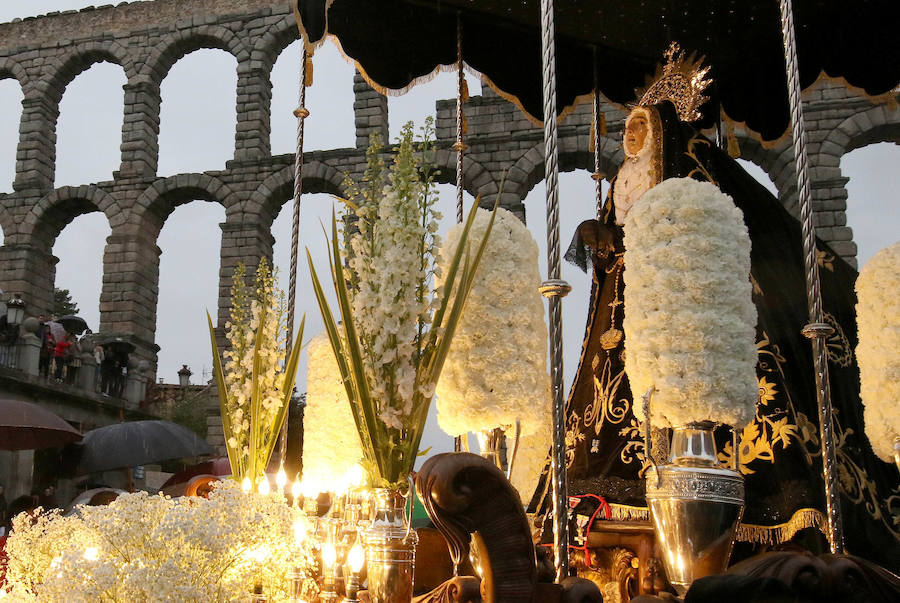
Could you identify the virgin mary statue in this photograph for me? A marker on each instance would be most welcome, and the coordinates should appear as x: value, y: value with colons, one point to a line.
x: 779, y: 451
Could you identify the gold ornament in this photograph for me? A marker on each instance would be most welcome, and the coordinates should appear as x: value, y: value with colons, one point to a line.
x: 681, y: 80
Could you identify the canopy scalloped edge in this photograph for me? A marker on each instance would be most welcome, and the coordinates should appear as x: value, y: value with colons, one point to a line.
x: 424, y: 79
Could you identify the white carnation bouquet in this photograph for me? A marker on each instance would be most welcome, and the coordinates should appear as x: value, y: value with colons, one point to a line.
x: 496, y: 372
x: 690, y: 322
x: 878, y: 350
x: 395, y: 326
x: 143, y: 547
x: 330, y: 440
x: 256, y: 383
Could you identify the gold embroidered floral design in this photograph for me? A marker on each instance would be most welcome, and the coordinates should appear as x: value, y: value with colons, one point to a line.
x: 574, y: 436
x: 837, y: 345
x: 825, y: 259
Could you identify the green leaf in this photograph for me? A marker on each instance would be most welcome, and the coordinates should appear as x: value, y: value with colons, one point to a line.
x: 227, y: 428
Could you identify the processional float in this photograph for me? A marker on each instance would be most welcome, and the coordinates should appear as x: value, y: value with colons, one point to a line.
x: 621, y: 42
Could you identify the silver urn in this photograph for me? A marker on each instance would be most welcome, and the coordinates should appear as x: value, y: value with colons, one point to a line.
x: 390, y: 546
x: 696, y: 506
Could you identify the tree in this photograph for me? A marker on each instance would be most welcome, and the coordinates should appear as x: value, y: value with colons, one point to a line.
x: 63, y: 303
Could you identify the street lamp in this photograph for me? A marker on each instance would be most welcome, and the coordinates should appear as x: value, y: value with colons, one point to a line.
x: 15, y: 310
x: 184, y: 376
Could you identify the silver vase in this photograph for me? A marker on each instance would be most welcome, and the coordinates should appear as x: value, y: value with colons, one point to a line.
x: 696, y: 506
x: 390, y: 546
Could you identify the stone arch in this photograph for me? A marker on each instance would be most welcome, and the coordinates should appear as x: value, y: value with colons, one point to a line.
x: 477, y: 179
x: 880, y: 123
x: 767, y: 159
x: 269, y: 46
x: 160, y: 199
x: 62, y: 70
x: 269, y: 196
x: 528, y: 170
x: 10, y: 69
x: 177, y: 45
x: 51, y: 214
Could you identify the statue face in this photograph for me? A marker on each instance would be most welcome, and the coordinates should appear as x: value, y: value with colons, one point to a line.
x: 635, y: 134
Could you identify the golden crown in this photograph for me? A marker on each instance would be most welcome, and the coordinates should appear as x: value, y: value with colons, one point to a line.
x: 681, y: 80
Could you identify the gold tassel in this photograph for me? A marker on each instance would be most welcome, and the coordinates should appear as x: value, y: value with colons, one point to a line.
x: 465, y: 90
x: 602, y: 124
x: 628, y: 513
x: 802, y: 519
x: 465, y: 125
x: 308, y: 70
x: 734, y: 149
x: 592, y: 136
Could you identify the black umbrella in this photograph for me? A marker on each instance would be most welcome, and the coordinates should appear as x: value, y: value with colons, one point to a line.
x: 73, y: 324
x: 137, y: 443
x: 394, y: 43
x: 118, y: 346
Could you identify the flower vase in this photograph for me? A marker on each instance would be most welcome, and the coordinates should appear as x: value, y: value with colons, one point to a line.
x: 696, y: 506
x: 390, y: 545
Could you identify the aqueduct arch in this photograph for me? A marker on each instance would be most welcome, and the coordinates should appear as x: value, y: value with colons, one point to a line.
x: 146, y: 39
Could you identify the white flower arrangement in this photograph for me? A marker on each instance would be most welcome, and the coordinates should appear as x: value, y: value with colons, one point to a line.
x: 532, y: 457
x: 690, y: 322
x: 878, y: 350
x: 330, y: 439
x: 154, y: 548
x: 255, y: 383
x: 496, y: 371
x: 396, y: 326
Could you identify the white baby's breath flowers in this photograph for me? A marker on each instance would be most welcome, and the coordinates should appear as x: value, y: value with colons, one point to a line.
x: 878, y: 350
x: 496, y: 371
x: 690, y: 322
x: 331, y: 443
x: 154, y: 548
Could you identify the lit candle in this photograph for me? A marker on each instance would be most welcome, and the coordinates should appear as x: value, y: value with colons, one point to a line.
x: 246, y: 485
x: 281, y: 479
x: 91, y: 553
x: 264, y: 488
x: 356, y: 558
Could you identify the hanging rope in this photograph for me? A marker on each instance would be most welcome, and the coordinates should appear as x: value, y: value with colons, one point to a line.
x: 817, y: 331
x: 301, y: 113
x: 459, y: 146
x: 598, y: 130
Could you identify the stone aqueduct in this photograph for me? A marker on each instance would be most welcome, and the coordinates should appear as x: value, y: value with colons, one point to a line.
x: 146, y: 39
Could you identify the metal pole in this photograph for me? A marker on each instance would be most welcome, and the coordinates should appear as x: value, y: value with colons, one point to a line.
x: 554, y: 289
x: 459, y: 146
x: 598, y: 121
x: 817, y: 331
x: 301, y: 113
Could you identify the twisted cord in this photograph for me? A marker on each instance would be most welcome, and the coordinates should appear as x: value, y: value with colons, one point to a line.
x: 598, y: 115
x: 301, y: 113
x: 460, y: 145
x: 551, y: 171
x: 813, y: 286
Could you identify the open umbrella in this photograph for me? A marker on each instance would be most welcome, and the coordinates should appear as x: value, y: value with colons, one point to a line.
x: 138, y: 443
x: 56, y: 330
x: 218, y: 467
x: 118, y: 346
x: 73, y: 324
x: 397, y: 43
x: 26, y: 426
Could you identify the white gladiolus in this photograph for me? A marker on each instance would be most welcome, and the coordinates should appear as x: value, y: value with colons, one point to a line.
x: 690, y: 322
x: 330, y: 439
x: 496, y: 371
x: 878, y: 350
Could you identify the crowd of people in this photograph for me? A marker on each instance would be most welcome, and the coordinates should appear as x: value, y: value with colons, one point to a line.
x: 61, y: 360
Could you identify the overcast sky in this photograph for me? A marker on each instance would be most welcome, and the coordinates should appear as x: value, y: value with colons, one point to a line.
x: 197, y: 134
